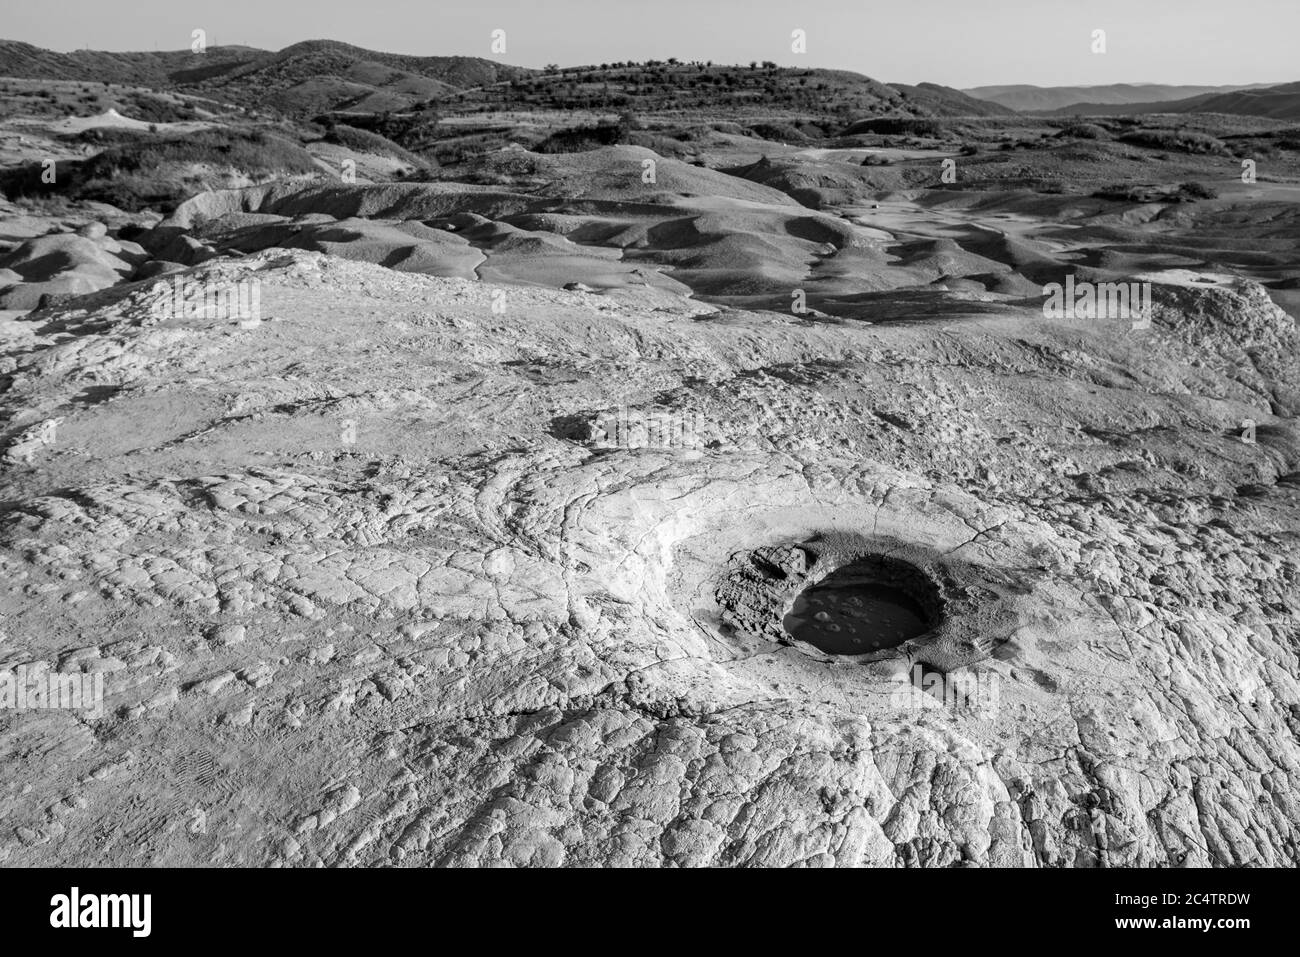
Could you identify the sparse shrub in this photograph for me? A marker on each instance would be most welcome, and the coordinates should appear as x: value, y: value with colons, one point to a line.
x: 106, y: 136
x: 1181, y: 141
x: 581, y: 139
x: 1190, y: 192
x: 897, y: 126
x: 1128, y: 194
x: 1082, y: 131
x: 1145, y: 193
x: 363, y: 141
x: 1287, y: 140
x: 777, y: 132
x: 142, y: 172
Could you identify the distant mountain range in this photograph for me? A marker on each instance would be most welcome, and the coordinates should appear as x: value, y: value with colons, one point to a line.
x: 326, y: 76
x: 1276, y: 102
x: 945, y: 101
x: 1280, y: 101
x: 1046, y: 99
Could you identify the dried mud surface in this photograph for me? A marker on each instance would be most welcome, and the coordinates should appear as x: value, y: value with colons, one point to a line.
x: 475, y: 634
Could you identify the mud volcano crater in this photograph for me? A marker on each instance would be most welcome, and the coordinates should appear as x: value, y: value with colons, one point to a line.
x: 873, y: 603
x: 858, y: 599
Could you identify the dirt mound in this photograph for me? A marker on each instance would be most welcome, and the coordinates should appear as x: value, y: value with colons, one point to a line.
x: 65, y: 264
x: 823, y: 185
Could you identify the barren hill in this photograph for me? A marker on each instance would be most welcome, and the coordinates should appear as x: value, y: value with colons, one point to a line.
x: 166, y: 69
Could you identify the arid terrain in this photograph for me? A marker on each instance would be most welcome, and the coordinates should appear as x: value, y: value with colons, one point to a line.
x: 429, y: 455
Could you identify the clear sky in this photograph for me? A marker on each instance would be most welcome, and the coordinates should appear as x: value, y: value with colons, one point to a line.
x: 959, y: 43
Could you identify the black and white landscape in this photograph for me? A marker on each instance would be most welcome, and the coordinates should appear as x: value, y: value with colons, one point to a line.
x: 420, y: 459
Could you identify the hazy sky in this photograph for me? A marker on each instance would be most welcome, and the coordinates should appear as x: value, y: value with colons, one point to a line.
x: 958, y: 43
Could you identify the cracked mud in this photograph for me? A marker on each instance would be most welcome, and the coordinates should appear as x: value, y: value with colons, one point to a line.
x: 470, y: 635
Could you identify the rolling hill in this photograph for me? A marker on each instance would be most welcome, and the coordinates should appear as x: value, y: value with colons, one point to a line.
x: 304, y: 78
x: 157, y: 69
x: 325, y: 76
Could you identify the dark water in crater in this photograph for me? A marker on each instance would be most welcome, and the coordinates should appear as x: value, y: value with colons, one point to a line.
x: 846, y: 613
